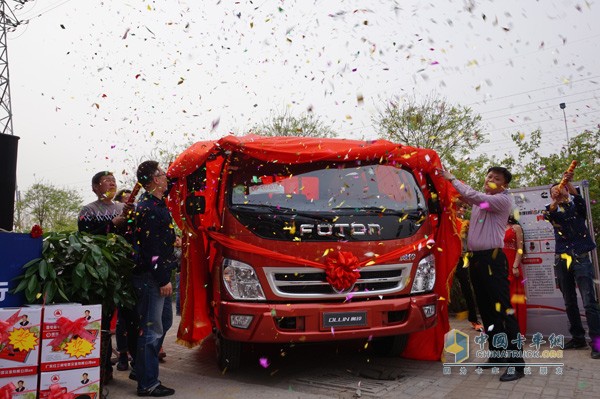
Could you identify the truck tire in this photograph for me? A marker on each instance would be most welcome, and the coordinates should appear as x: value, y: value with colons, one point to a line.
x: 229, y: 353
x: 390, y: 346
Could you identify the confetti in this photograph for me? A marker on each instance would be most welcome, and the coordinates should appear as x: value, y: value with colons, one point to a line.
x: 568, y: 258
x: 264, y: 362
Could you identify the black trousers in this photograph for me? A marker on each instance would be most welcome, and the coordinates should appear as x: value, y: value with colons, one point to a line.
x: 489, y: 276
x: 462, y: 275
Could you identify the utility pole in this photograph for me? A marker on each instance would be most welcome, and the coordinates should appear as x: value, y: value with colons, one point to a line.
x: 8, y: 141
x: 563, y: 106
x: 7, y: 22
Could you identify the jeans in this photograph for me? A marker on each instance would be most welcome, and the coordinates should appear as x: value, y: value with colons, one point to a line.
x: 580, y: 274
x: 167, y: 317
x: 150, y: 306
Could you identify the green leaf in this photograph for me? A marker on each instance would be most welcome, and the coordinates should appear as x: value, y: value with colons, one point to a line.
x: 21, y: 286
x: 31, y: 263
x: 103, y: 271
x: 50, y: 291
x: 80, y: 269
x: 74, y: 242
x: 85, y: 286
x: 51, y: 272
x: 108, y: 256
x: 33, y: 268
x: 32, y: 284
x: 43, y: 269
x: 92, y: 271
x: 62, y: 293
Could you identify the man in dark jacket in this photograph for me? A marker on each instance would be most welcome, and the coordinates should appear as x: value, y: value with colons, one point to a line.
x: 154, y: 237
x: 572, y: 264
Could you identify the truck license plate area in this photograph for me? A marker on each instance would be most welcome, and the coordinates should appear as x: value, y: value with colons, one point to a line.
x: 345, y: 319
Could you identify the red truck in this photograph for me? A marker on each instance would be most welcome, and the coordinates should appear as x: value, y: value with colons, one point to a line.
x: 291, y: 240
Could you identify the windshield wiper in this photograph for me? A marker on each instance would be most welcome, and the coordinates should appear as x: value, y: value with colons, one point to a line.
x: 280, y: 210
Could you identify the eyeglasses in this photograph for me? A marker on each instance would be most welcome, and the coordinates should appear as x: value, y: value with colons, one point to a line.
x: 160, y: 174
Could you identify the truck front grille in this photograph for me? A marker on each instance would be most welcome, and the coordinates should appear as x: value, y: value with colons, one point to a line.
x: 310, y: 282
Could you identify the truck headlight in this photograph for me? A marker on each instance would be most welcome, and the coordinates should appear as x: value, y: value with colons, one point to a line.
x: 241, y: 281
x: 425, y: 275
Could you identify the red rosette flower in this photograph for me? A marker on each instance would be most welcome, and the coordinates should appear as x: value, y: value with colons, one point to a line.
x: 36, y: 231
x: 341, y: 270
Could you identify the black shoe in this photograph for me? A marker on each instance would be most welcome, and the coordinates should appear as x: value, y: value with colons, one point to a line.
x: 132, y: 375
x: 595, y: 354
x: 123, y: 366
x: 575, y: 343
x: 159, y: 391
x: 512, y: 377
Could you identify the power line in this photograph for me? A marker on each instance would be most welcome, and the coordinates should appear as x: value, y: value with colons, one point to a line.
x: 540, y: 101
x: 540, y: 121
x: 44, y: 11
x: 493, y: 146
x: 533, y: 90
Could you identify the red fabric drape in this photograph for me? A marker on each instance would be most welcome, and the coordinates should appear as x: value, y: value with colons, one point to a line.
x: 199, y: 242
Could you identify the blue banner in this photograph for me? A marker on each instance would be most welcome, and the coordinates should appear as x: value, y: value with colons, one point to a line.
x: 15, y: 251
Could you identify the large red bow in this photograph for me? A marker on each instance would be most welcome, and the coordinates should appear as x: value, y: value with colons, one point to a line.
x: 7, y: 390
x: 341, y: 270
x: 58, y: 392
x: 7, y: 325
x: 68, y: 328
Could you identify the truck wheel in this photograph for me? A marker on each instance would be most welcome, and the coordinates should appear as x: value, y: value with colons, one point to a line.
x: 390, y: 346
x: 229, y: 353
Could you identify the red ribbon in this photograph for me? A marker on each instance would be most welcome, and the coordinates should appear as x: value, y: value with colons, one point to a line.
x: 7, y: 390
x: 58, y: 392
x: 341, y: 270
x: 68, y: 328
x: 6, y: 325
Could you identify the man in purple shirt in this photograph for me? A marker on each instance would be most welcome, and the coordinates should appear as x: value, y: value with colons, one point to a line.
x: 489, y: 268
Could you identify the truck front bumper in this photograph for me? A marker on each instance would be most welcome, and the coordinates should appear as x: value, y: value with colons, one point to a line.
x: 317, y: 322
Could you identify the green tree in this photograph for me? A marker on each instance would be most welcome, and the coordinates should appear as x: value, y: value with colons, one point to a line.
x: 54, y: 209
x: 285, y: 124
x: 452, y: 130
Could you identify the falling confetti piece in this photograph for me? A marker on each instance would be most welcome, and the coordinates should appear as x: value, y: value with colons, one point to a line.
x: 518, y: 299
x: 568, y: 258
x: 484, y: 205
x: 264, y: 362
x: 215, y: 123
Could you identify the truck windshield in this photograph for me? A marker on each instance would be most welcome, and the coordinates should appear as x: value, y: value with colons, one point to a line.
x: 324, y: 187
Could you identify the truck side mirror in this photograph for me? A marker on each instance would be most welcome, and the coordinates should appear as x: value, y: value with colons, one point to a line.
x: 195, y: 205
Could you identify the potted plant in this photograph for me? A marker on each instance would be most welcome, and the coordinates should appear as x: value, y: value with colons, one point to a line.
x: 84, y: 268
x: 79, y: 267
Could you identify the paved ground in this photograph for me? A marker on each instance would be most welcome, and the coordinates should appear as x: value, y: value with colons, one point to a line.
x: 348, y: 371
